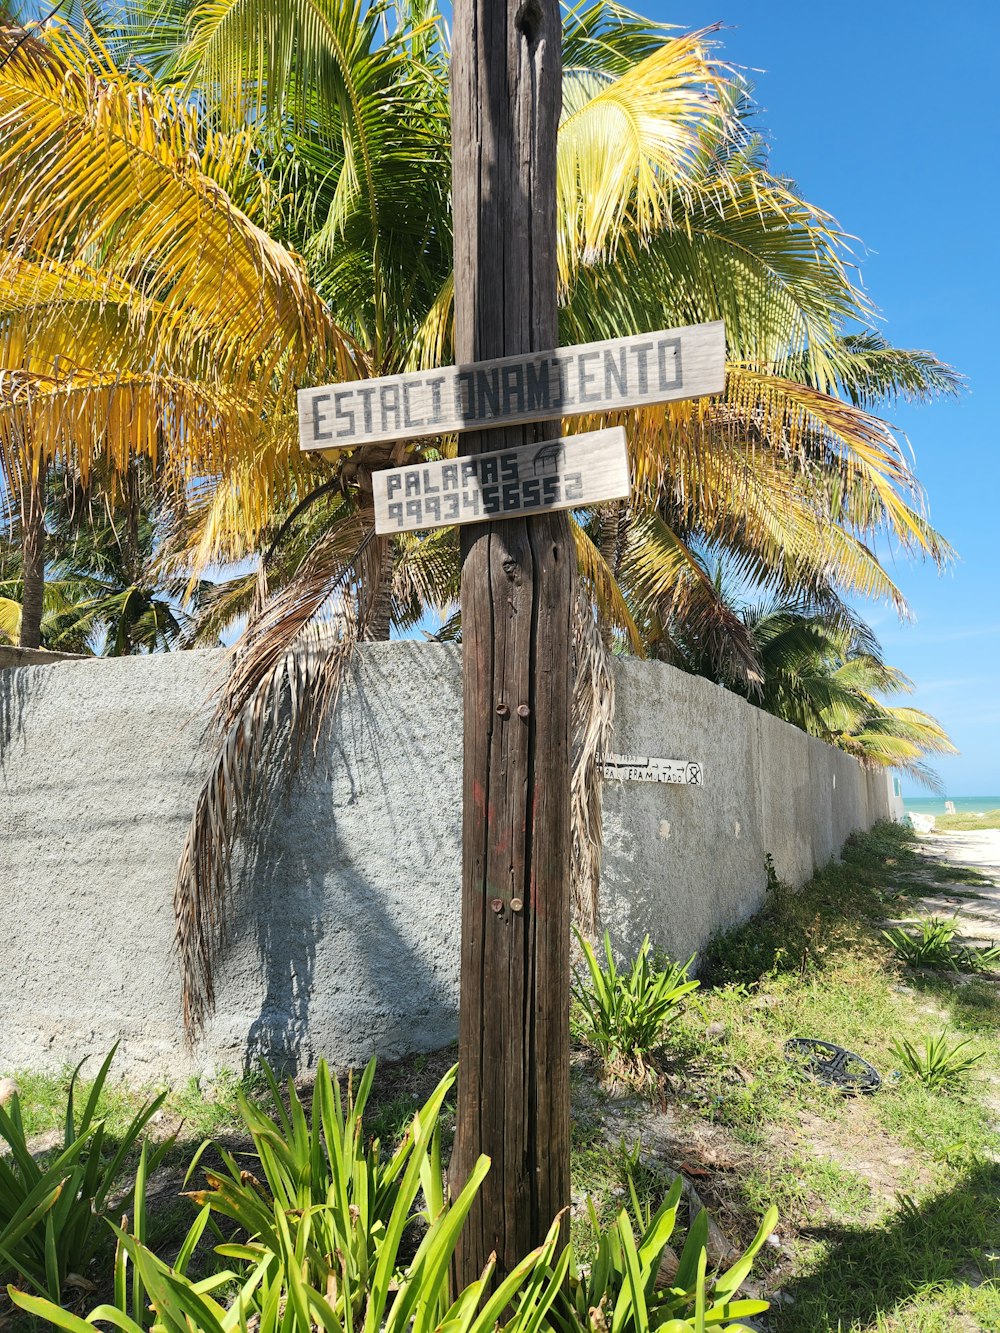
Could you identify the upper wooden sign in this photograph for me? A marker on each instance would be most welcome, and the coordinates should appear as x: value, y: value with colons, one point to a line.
x: 539, y: 386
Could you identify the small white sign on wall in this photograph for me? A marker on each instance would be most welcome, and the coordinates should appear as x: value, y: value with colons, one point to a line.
x: 643, y: 768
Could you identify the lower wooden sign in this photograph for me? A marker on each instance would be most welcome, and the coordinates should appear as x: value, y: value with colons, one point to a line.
x: 639, y: 768
x: 567, y: 473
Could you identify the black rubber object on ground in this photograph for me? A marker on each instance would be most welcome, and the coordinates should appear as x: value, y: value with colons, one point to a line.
x: 833, y: 1064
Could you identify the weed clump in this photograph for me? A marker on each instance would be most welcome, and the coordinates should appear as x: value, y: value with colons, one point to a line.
x: 623, y: 1013
x: 803, y: 931
x: 938, y: 1065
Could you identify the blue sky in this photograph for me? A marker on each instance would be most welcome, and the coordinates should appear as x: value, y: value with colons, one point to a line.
x: 884, y: 113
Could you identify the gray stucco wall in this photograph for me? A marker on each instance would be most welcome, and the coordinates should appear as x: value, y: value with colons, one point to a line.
x: 345, y: 939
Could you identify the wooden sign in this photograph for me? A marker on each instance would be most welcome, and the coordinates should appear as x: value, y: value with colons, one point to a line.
x: 638, y: 768
x: 539, y: 386
x: 509, y: 483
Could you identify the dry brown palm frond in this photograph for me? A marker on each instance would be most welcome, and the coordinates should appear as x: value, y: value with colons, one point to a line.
x: 287, y: 673
x: 593, y: 711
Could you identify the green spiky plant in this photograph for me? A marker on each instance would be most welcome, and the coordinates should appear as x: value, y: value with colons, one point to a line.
x: 933, y: 945
x: 938, y: 1065
x: 623, y: 1013
x: 930, y: 946
x: 52, y: 1211
x: 628, y: 1288
x: 320, y: 1237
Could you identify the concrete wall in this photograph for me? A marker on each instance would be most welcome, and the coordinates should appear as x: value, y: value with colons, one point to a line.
x: 345, y: 938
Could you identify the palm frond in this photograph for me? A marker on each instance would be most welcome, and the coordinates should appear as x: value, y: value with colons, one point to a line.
x: 868, y: 371
x: 591, y: 723
x: 747, y: 251
x: 287, y: 672
x: 10, y: 620
x: 628, y: 151
x: 125, y: 164
x: 605, y: 591
x: 673, y: 593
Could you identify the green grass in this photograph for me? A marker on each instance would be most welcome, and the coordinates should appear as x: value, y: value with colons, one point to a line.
x: 889, y: 1214
x: 965, y: 822
x: 889, y: 1202
x: 196, y: 1109
x: 926, y: 1262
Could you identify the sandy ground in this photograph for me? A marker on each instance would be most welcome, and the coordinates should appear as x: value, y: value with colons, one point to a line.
x: 977, y: 904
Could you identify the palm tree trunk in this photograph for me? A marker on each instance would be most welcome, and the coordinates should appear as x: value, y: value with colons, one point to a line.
x: 377, y: 630
x: 613, y: 517
x: 33, y: 556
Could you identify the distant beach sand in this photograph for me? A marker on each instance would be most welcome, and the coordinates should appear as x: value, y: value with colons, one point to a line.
x: 980, y: 850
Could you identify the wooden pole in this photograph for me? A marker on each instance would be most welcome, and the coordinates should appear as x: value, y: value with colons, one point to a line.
x: 517, y: 597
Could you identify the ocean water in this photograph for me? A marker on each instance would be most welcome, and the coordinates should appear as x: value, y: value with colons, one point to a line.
x: 934, y: 805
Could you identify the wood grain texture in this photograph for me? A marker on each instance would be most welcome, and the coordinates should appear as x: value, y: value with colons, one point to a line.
x: 592, y: 377
x: 567, y: 473
x: 517, y: 596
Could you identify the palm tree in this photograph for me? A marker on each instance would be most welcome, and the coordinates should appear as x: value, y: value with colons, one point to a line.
x: 147, y: 315
x: 101, y: 590
x: 328, y: 123
x: 682, y: 221
x: 823, y: 671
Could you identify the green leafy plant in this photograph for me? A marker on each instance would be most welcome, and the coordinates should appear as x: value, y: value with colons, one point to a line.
x: 769, y: 869
x: 288, y: 1275
x: 981, y: 960
x: 317, y: 1165
x: 275, y: 1298
x: 934, y: 946
x: 50, y: 1212
x: 623, y: 1014
x: 931, y: 946
x: 938, y: 1065
x: 636, y: 1282
x: 295, y: 1264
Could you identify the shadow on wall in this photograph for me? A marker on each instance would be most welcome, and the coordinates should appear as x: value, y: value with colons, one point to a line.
x: 14, y: 691
x: 349, y: 959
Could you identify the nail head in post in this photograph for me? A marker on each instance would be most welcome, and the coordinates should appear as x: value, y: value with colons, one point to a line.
x: 503, y: 710
x: 497, y: 905
x: 523, y: 710
x: 516, y: 904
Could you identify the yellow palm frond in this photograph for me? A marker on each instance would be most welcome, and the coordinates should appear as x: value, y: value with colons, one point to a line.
x: 612, y: 607
x: 118, y: 414
x: 804, y: 421
x: 101, y: 182
x: 630, y: 149
x: 10, y: 620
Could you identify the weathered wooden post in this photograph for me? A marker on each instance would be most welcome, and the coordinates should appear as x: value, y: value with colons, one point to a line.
x: 517, y: 596
x: 517, y: 589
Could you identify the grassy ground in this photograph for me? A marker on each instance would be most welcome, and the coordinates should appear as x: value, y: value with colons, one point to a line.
x: 889, y: 1204
x: 964, y: 823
